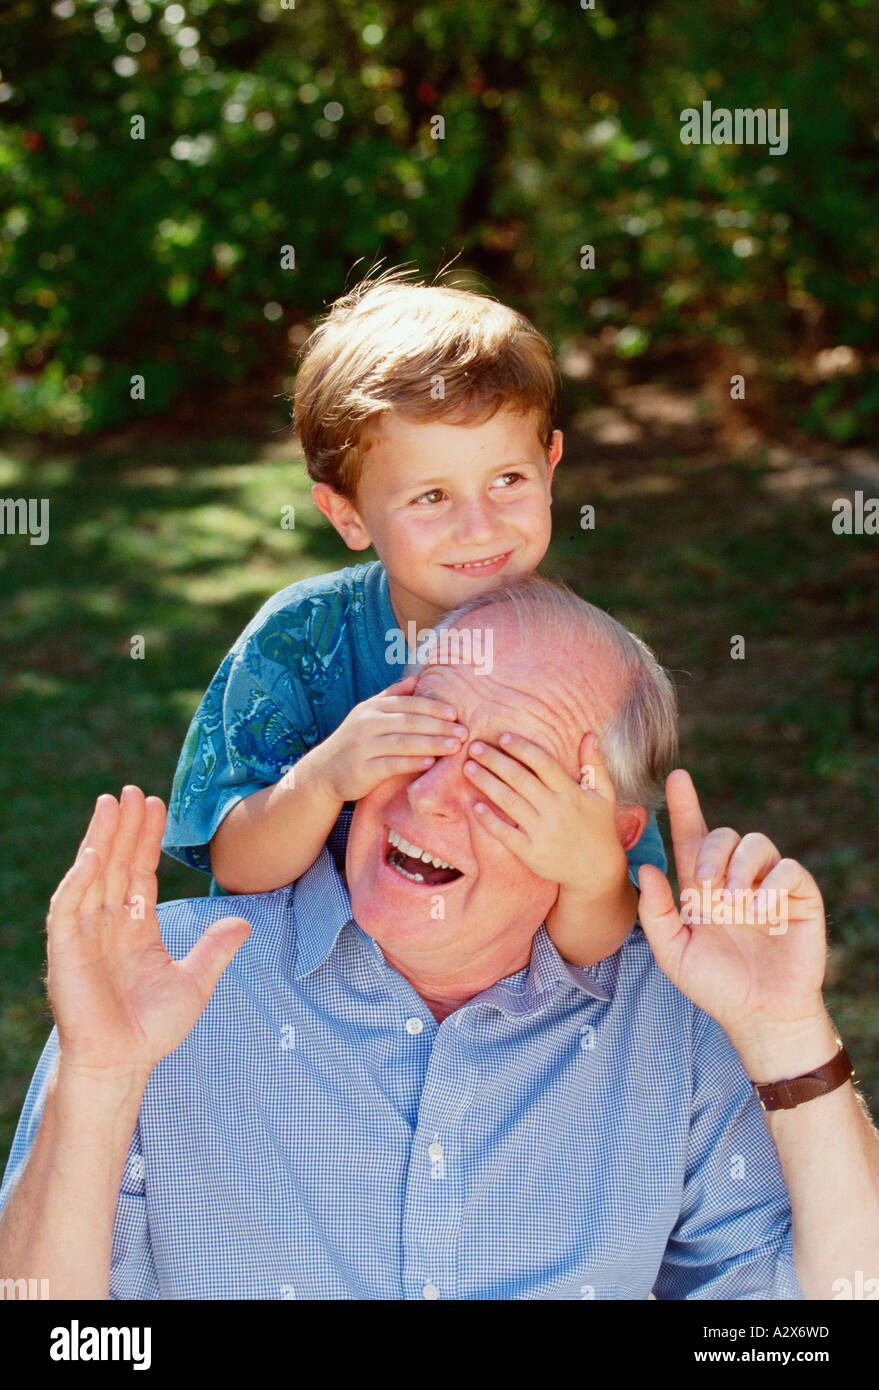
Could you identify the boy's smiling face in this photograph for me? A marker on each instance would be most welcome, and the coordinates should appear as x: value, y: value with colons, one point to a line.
x: 434, y: 498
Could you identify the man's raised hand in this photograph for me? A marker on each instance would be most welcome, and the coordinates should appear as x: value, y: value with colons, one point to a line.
x: 749, y: 946
x: 120, y: 1002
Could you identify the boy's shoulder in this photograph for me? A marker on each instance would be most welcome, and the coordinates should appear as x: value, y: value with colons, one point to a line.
x: 337, y: 594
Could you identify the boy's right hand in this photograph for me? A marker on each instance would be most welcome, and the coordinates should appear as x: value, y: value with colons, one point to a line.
x: 392, y: 733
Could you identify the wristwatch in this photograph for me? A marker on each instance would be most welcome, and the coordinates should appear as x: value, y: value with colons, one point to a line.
x: 784, y: 1095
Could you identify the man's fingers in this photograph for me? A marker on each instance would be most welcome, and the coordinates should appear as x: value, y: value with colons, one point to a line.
x: 799, y: 885
x: 658, y: 915
x: 117, y: 874
x: 714, y: 855
x: 102, y: 824
x: 688, y: 828
x: 149, y: 847
x: 212, y: 953
x: 753, y: 858
x: 99, y: 836
x: 148, y: 852
x: 66, y: 904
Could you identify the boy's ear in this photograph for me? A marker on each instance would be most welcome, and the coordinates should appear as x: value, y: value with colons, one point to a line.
x: 555, y: 453
x: 631, y: 821
x: 341, y: 514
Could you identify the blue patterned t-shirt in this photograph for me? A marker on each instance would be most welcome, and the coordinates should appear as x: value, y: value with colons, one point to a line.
x: 312, y: 652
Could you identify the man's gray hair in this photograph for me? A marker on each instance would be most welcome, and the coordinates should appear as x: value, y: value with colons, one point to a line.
x: 639, y: 741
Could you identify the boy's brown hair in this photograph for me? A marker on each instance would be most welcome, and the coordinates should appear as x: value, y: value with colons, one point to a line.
x: 429, y: 352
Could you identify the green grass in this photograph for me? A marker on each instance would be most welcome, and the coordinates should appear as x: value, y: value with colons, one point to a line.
x: 180, y: 543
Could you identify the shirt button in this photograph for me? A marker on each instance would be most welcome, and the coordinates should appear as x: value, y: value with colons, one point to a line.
x: 430, y: 1291
x: 414, y: 1025
x: 435, y: 1151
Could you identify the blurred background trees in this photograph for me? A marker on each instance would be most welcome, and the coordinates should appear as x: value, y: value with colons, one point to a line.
x: 313, y: 128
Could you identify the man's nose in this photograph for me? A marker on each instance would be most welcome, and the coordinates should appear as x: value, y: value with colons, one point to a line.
x: 442, y: 788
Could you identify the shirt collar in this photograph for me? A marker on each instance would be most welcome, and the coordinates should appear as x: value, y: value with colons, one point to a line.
x: 538, y: 981
x: 322, y: 906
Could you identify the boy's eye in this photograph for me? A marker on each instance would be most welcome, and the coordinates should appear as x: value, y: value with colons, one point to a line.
x: 437, y: 492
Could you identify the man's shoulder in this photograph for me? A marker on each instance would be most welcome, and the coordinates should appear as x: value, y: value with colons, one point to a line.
x: 662, y: 1006
x: 184, y: 920
x: 644, y: 981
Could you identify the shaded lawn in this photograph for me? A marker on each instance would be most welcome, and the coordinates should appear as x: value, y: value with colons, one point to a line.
x: 180, y: 543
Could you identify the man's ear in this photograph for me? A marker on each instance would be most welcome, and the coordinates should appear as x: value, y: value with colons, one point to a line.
x: 631, y: 821
x: 341, y: 514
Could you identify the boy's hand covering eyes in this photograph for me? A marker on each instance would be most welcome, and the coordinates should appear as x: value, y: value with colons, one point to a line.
x: 392, y: 733
x: 561, y: 829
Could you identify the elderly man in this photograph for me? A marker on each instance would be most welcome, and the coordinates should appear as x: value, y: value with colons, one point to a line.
x: 399, y: 1089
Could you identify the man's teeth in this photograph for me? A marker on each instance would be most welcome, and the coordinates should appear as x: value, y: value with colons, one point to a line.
x: 478, y: 564
x: 415, y: 852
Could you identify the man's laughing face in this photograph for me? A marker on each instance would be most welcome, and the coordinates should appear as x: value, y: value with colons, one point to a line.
x: 480, y: 905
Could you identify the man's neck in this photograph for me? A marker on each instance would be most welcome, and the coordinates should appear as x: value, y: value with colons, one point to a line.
x: 441, y: 1008
x: 472, y: 982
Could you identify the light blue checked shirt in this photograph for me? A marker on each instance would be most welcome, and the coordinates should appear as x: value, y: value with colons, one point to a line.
x: 569, y: 1133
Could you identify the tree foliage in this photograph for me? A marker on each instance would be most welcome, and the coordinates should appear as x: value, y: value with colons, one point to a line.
x: 315, y: 128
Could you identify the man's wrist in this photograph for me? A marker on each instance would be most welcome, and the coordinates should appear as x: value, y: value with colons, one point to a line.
x: 781, y: 1051
x: 95, y: 1112
x: 106, y: 1086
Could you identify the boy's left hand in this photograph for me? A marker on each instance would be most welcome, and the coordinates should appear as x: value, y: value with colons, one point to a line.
x: 564, y: 830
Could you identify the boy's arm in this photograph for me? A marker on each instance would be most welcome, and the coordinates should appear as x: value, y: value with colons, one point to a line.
x: 587, y: 927
x: 272, y: 836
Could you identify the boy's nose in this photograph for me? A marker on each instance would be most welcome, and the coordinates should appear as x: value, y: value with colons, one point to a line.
x: 476, y: 524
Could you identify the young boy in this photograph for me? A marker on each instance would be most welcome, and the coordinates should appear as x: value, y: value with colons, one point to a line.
x: 425, y: 415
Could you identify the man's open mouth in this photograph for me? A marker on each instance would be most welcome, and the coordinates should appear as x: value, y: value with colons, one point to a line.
x: 417, y: 864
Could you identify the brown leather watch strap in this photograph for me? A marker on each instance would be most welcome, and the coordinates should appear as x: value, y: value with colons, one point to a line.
x: 784, y: 1095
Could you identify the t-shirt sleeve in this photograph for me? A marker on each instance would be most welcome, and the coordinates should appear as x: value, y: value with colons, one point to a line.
x: 241, y: 739
x: 734, y: 1235
x: 648, y: 849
